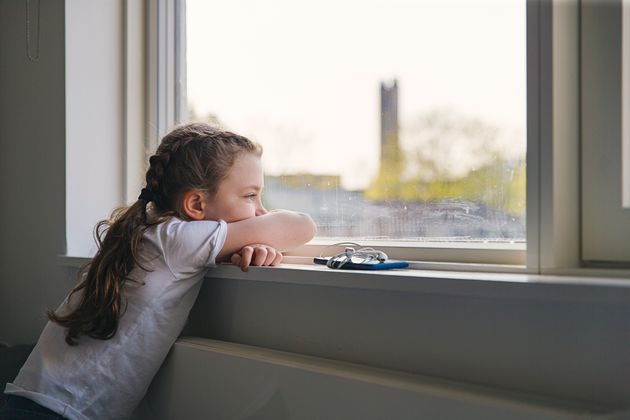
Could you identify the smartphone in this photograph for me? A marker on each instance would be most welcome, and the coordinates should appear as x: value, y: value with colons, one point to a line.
x: 370, y: 265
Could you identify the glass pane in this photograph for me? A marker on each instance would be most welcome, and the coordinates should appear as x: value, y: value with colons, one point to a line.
x: 392, y: 119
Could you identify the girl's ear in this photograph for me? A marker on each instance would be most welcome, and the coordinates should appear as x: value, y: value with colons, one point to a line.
x: 192, y: 204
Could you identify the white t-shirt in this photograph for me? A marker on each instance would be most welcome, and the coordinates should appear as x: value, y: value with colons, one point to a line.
x: 106, y: 379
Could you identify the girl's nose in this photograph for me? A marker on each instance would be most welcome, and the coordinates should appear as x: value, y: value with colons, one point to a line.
x: 260, y: 210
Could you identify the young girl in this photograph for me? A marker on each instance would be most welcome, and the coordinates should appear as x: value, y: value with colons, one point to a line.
x: 98, y: 354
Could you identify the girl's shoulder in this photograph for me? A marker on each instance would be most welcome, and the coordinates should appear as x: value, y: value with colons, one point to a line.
x: 162, y: 221
x: 176, y: 226
x: 188, y: 245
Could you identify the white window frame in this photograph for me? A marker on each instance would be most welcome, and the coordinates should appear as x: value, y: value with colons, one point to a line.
x: 495, y: 256
x: 154, y: 82
x: 553, y: 230
x: 167, y: 64
x: 148, y: 109
x: 553, y: 139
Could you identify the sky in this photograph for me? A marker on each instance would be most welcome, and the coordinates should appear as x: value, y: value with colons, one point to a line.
x: 303, y: 77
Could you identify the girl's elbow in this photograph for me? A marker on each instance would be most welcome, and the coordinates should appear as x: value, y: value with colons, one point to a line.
x: 308, y: 228
x: 312, y: 228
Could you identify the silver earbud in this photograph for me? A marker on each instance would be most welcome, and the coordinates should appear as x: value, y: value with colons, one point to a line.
x: 360, y: 256
x: 381, y: 256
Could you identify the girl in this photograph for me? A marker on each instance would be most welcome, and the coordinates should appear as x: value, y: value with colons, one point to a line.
x: 99, y: 352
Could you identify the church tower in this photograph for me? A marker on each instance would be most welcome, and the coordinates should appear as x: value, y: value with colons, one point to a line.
x: 390, y: 149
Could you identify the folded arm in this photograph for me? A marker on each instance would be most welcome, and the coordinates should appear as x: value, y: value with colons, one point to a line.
x: 280, y: 229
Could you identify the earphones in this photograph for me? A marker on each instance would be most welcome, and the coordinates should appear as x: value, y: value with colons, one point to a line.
x: 365, y: 254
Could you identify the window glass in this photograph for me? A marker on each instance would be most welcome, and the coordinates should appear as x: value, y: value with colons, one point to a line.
x: 387, y: 119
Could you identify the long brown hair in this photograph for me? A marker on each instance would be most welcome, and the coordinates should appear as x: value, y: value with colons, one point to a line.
x: 194, y: 156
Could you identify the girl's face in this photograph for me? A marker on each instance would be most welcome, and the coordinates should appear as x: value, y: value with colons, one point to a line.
x: 239, y: 195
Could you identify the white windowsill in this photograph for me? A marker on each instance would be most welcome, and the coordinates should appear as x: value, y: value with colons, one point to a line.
x: 578, y: 288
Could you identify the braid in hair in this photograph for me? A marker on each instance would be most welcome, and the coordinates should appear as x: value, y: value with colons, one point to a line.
x: 194, y: 156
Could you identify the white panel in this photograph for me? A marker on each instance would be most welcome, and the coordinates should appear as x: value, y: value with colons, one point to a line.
x: 94, y: 117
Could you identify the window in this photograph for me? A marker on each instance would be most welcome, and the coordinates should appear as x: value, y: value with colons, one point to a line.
x: 390, y: 122
x: 576, y: 144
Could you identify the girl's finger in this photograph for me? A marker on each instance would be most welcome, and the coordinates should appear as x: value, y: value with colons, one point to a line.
x: 260, y: 255
x: 278, y: 258
x: 235, y: 259
x: 271, y: 256
x: 246, y: 257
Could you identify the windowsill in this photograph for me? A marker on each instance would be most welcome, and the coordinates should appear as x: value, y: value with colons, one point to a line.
x: 571, y: 288
x: 468, y: 283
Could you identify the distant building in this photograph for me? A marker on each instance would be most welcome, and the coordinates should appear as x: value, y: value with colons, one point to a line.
x: 390, y: 147
x: 306, y: 180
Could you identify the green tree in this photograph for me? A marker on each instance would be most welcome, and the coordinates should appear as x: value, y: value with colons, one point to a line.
x: 387, y: 185
x: 452, y: 156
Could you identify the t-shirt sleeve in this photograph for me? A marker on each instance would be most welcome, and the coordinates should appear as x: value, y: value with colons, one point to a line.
x: 190, y: 247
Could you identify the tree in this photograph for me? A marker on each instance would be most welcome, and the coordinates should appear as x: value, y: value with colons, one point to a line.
x: 448, y: 155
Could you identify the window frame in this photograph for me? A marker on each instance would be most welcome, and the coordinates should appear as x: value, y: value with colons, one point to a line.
x: 511, y: 256
x: 166, y: 54
x: 553, y: 233
x: 553, y: 221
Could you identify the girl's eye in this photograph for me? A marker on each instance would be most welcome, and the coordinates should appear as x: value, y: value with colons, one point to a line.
x: 251, y: 196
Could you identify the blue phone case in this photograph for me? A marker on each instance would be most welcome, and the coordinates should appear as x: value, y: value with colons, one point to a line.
x: 372, y: 265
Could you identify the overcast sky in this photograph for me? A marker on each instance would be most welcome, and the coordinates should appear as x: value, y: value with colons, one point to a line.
x: 302, y: 78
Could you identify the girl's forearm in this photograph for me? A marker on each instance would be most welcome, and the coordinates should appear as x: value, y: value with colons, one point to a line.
x: 280, y: 229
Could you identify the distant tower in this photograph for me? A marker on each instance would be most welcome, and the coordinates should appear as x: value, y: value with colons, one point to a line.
x: 389, y: 122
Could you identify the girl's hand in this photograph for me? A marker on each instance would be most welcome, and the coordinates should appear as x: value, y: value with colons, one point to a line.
x: 257, y: 255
